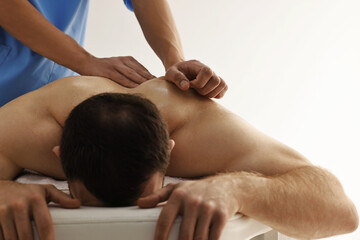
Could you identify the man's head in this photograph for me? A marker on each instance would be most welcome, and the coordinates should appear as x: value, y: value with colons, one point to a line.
x: 113, y: 144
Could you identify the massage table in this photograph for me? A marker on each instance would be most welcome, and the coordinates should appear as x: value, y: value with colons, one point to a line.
x: 130, y: 223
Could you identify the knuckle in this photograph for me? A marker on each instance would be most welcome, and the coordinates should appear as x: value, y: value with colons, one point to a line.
x: 171, y: 185
x: 217, y: 81
x: 19, y: 205
x: 208, y: 207
x: 4, y: 210
x: 194, y: 202
x: 222, y: 84
x: 207, y: 70
x: 36, y: 198
x: 179, y: 193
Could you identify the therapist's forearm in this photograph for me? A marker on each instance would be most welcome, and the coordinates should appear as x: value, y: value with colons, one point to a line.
x: 160, y: 31
x: 307, y: 202
x: 29, y: 26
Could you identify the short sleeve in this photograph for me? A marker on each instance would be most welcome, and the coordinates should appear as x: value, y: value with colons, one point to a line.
x: 129, y: 5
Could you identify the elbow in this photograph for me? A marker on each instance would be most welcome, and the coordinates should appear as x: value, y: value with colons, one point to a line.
x: 353, y: 219
x: 349, y: 218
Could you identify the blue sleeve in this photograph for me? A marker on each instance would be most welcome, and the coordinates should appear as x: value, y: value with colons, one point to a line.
x: 129, y: 5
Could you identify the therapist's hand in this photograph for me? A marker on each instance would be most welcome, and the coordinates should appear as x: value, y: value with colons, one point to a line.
x: 205, y: 206
x: 196, y: 75
x: 126, y: 71
x: 19, y: 203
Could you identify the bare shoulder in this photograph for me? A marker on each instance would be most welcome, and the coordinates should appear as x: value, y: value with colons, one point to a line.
x: 64, y: 94
x: 80, y: 83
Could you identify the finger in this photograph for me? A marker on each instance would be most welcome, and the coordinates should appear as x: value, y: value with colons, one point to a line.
x: 166, y: 219
x: 203, y: 223
x: 217, y: 225
x: 122, y: 80
x: 211, y: 85
x: 140, y: 69
x: 130, y: 73
x: 23, y: 224
x: 203, y: 77
x: 188, y: 221
x: 157, y: 197
x: 42, y: 218
x: 57, y: 196
x: 222, y: 93
x: 191, y: 68
x: 177, y: 77
x: 217, y: 90
x: 7, y: 225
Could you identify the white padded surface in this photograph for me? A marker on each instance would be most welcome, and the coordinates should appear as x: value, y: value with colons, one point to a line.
x: 90, y: 223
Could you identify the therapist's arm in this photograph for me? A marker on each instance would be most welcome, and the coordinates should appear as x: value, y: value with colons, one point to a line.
x: 160, y: 31
x: 29, y: 26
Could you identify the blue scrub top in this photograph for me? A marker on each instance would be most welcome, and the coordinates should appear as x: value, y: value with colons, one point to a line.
x: 21, y: 69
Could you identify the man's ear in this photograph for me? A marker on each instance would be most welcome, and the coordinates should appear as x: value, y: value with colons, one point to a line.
x: 171, y: 144
x: 56, y: 150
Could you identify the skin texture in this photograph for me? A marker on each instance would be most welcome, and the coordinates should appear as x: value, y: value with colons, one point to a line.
x: 25, y: 23
x: 235, y: 167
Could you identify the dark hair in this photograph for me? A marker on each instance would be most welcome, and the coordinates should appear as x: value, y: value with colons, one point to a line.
x: 113, y: 143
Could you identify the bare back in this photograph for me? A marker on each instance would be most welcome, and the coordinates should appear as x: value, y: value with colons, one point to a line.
x: 208, y: 138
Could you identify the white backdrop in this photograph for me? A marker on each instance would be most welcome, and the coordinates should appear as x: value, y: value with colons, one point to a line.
x: 293, y: 68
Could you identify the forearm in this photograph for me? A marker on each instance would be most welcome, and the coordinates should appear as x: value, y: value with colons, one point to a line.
x: 25, y: 23
x: 307, y: 202
x: 159, y: 29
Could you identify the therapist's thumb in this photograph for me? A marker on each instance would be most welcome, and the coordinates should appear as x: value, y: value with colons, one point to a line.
x: 174, y: 75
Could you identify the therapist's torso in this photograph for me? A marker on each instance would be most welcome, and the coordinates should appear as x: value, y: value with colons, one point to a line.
x: 21, y: 69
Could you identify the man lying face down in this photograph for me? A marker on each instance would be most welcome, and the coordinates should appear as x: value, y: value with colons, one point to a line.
x: 115, y: 145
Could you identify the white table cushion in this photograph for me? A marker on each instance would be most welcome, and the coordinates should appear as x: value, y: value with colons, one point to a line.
x: 90, y: 223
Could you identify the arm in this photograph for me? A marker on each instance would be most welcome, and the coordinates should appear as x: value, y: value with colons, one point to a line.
x: 306, y: 202
x: 25, y: 23
x: 261, y: 178
x: 290, y: 203
x: 160, y: 31
x: 19, y: 203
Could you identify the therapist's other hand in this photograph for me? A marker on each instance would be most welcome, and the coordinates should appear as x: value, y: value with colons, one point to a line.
x: 196, y: 75
x: 126, y: 71
x: 205, y: 206
x: 19, y: 203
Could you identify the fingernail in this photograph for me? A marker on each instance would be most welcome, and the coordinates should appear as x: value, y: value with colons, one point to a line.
x: 183, y: 84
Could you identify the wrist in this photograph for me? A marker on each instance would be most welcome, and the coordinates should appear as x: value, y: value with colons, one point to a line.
x: 84, y: 63
x: 245, y: 187
x: 172, y: 60
x: 250, y: 186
